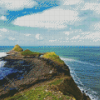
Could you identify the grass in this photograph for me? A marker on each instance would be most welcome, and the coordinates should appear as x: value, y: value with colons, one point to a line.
x: 52, y: 56
x: 56, y: 82
x: 17, y: 48
x: 30, y: 53
x: 41, y: 93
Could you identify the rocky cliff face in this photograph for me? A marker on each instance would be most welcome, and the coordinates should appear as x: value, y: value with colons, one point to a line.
x: 48, y: 70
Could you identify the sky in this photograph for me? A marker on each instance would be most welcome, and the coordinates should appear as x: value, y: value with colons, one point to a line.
x: 50, y: 22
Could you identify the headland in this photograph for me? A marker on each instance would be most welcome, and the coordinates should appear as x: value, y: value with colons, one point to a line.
x: 40, y: 76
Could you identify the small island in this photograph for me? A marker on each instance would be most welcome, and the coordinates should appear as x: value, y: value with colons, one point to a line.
x: 39, y: 76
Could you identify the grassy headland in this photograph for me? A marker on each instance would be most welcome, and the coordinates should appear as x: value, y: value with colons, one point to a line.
x: 52, y: 56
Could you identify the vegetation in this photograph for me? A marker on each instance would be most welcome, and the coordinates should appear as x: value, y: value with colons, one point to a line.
x: 52, y: 56
x: 17, y: 48
x: 56, y: 82
x: 30, y: 53
x: 41, y: 92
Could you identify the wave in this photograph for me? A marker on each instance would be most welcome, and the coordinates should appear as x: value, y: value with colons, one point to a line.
x: 92, y: 94
x: 82, y: 62
x: 3, y: 54
x: 2, y: 63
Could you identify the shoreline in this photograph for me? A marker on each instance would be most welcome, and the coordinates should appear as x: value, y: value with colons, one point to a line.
x: 48, y: 61
x: 79, y: 83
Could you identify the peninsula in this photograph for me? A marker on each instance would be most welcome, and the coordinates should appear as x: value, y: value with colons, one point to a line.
x: 39, y: 76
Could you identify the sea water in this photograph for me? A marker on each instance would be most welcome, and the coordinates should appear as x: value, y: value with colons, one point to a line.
x: 4, y: 71
x: 84, y: 64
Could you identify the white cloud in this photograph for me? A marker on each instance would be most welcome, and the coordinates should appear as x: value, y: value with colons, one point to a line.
x: 71, y: 2
x: 27, y: 34
x: 75, y: 37
x: 17, y: 4
x: 53, y: 40
x: 11, y: 38
x: 4, y: 30
x: 0, y: 35
x: 92, y: 6
x: 38, y: 37
x: 3, y: 18
x: 67, y: 33
x: 55, y: 18
x: 93, y: 36
x: 96, y: 26
x: 67, y: 38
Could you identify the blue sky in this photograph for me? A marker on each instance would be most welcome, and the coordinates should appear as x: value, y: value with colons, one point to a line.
x: 50, y: 22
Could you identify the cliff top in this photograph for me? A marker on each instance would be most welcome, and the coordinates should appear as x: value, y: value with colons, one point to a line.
x: 52, y: 56
x: 17, y: 48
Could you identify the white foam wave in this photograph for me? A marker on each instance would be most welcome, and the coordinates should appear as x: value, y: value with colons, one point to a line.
x: 89, y: 92
x: 2, y: 63
x: 66, y: 59
x: 82, y: 62
x: 3, y: 54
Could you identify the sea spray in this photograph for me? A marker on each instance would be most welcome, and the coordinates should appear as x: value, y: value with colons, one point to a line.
x: 3, y: 54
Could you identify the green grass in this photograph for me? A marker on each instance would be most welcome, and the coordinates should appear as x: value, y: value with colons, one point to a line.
x: 30, y: 53
x: 40, y: 92
x: 56, y: 82
x: 17, y: 48
x: 52, y: 56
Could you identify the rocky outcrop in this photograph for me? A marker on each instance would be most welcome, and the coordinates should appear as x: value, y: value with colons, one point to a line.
x: 36, y: 70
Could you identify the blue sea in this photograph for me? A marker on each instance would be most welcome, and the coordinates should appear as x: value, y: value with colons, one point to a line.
x: 83, y: 61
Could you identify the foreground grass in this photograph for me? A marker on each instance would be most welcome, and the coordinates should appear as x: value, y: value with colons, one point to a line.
x: 30, y: 53
x: 52, y: 56
x: 42, y: 92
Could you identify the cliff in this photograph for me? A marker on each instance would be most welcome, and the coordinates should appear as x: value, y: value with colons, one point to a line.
x: 38, y: 78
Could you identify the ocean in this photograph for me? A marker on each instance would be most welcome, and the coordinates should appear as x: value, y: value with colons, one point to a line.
x: 83, y: 61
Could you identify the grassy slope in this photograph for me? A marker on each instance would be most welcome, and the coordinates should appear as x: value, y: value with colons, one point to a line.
x: 30, y: 53
x: 17, y: 48
x: 52, y: 56
x: 43, y: 92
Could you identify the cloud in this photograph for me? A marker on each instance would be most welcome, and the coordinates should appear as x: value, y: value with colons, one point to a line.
x: 94, y: 36
x: 53, y: 40
x: 14, y: 5
x: 67, y: 38
x: 38, y: 37
x: 67, y: 33
x: 89, y: 36
x: 71, y: 2
x: 75, y: 37
x: 92, y: 6
x: 11, y: 38
x: 27, y: 34
x: 4, y: 30
x: 55, y: 18
x: 96, y: 26
x: 3, y: 18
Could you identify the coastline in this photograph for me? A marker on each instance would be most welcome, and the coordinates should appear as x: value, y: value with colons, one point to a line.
x: 52, y: 64
x: 74, y: 70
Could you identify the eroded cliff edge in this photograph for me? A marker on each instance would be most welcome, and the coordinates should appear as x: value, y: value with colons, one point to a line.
x: 34, y: 71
